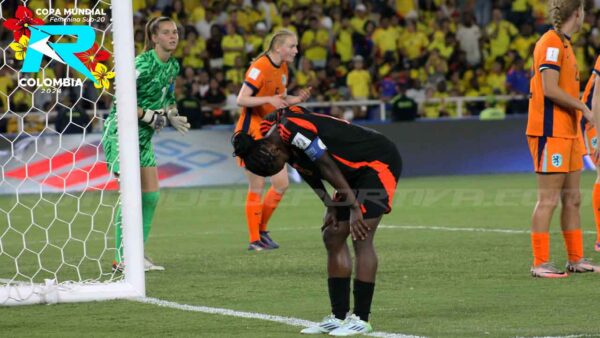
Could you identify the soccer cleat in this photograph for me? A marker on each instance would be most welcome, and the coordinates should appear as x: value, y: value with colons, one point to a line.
x: 327, y: 325
x: 118, y: 267
x: 257, y: 246
x: 266, y: 239
x: 583, y: 265
x: 352, y: 326
x: 547, y: 270
x: 597, y: 247
x: 150, y: 266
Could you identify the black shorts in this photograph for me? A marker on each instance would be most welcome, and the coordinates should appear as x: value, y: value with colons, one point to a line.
x: 374, y: 188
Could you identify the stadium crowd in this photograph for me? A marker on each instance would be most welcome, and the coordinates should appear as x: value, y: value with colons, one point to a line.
x: 400, y: 51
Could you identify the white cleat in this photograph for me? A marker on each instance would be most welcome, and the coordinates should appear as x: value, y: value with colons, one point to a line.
x: 150, y: 266
x: 327, y: 325
x: 352, y: 326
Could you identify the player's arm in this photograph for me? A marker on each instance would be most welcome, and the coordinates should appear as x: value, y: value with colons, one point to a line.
x: 596, y: 110
x: 246, y: 98
x: 553, y: 92
x: 303, y: 95
x: 332, y: 174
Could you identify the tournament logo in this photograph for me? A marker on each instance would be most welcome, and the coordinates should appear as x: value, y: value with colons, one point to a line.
x: 73, y: 45
x: 594, y: 141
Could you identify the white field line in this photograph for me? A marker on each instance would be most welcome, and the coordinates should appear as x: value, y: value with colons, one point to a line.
x: 277, y: 319
x: 381, y: 226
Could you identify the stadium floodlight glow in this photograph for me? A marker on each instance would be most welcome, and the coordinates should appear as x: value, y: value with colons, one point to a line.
x: 56, y: 221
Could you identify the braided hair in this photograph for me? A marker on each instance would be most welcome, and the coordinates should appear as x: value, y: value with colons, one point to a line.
x: 256, y: 155
x: 560, y: 10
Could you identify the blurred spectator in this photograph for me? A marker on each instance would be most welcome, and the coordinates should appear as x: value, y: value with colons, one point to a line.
x: 492, y: 111
x: 385, y: 37
x: 359, y: 80
x: 215, y: 99
x: 205, y: 25
x: 414, y: 43
x: 496, y: 79
x: 468, y: 35
x: 359, y: 19
x: 232, y: 45
x: 236, y: 74
x: 214, y: 48
x: 306, y: 76
x: 343, y: 40
x: 286, y: 23
x: 255, y: 41
x: 499, y: 32
x: 517, y: 83
x: 194, y: 50
x: 403, y: 107
x: 314, y: 43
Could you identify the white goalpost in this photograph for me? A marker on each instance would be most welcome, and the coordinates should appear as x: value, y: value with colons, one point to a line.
x: 56, y: 205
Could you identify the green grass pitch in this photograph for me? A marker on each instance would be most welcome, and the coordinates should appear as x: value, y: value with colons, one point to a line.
x: 432, y: 281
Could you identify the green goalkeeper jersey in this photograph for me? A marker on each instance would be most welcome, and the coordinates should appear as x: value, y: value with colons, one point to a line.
x: 155, y: 89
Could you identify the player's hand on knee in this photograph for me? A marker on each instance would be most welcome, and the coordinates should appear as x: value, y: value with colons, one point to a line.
x: 358, y: 227
x: 154, y: 118
x: 178, y: 122
x: 330, y: 218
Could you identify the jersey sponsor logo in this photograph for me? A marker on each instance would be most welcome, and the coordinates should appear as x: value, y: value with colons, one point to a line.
x: 552, y: 54
x: 301, y: 141
x: 557, y: 160
x: 254, y: 73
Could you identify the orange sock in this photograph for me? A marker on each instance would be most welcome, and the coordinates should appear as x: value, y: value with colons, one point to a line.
x: 269, y: 205
x: 253, y: 215
x: 540, y: 243
x: 596, y: 206
x: 574, y: 244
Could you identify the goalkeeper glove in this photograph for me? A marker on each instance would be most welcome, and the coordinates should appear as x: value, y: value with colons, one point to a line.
x: 178, y: 122
x: 154, y: 118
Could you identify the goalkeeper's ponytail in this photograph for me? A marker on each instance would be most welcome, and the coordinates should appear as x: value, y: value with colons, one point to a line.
x: 152, y: 29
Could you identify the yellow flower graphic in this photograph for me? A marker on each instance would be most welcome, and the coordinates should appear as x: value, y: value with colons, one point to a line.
x: 20, y: 47
x: 102, y: 76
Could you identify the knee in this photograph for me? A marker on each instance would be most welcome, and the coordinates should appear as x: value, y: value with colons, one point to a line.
x: 332, y: 239
x: 548, y: 202
x: 257, y: 187
x: 571, y: 199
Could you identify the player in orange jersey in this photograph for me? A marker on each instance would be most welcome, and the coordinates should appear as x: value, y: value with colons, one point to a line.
x: 552, y: 134
x: 591, y: 98
x: 263, y: 91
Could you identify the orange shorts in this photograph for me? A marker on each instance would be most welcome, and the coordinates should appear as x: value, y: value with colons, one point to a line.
x: 590, y: 140
x: 249, y: 123
x: 555, y: 154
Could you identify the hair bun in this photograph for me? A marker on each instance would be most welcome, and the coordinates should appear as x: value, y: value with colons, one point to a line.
x: 242, y: 144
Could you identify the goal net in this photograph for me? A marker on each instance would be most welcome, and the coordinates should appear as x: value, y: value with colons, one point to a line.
x: 57, y: 198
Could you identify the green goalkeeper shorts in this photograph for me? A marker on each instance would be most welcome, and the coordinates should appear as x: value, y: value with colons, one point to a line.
x: 111, y: 149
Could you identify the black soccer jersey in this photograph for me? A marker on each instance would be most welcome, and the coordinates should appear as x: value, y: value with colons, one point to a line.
x: 353, y: 148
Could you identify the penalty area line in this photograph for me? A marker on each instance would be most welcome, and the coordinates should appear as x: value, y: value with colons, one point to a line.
x: 253, y: 315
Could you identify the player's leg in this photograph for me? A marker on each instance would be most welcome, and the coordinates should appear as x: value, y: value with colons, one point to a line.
x: 596, y: 206
x: 548, y: 197
x: 571, y: 225
x: 339, y: 271
x: 279, y: 184
x: 256, y: 185
x: 551, y: 163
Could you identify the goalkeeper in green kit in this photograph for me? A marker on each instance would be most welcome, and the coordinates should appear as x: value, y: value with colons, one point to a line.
x: 156, y: 71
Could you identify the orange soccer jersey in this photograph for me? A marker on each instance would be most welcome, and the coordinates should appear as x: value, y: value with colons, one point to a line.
x: 265, y: 79
x: 547, y: 118
x: 588, y: 131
